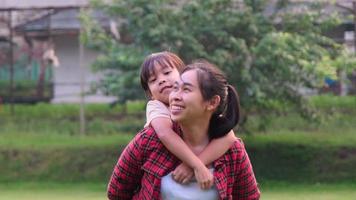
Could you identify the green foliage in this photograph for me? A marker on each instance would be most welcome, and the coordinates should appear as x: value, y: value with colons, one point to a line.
x: 297, y: 162
x: 302, y: 158
x: 267, y: 57
x: 23, y: 88
x: 90, y: 164
x: 327, y: 102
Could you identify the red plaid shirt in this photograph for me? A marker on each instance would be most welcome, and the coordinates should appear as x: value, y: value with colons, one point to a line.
x: 138, y: 172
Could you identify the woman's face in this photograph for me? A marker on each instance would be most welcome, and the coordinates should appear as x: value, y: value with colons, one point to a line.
x: 186, y: 101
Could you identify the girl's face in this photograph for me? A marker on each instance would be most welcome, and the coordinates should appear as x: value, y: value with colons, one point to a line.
x: 186, y: 101
x: 160, y: 82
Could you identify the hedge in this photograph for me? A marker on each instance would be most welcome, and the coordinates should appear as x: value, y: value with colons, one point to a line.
x: 271, y: 161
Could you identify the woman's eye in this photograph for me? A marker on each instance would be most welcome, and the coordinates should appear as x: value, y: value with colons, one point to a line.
x: 151, y: 80
x: 167, y: 72
x: 186, y: 89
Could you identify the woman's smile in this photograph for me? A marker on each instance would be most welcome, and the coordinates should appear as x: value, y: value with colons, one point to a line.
x: 176, y: 109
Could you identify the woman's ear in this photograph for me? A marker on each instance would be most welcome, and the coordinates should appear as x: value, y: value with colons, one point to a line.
x: 213, y: 102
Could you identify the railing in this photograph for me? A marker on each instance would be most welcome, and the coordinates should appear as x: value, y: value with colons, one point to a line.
x: 27, y: 86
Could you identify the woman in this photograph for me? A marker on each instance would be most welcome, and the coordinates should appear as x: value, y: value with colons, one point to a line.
x: 204, y: 107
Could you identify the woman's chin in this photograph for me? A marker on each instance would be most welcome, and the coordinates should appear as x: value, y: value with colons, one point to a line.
x: 176, y: 117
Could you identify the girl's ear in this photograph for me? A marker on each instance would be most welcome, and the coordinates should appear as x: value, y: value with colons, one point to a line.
x: 213, y: 103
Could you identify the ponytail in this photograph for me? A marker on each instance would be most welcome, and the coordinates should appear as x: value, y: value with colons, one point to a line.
x: 222, y: 122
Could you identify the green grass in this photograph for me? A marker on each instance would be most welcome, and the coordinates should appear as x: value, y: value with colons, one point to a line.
x: 63, y: 119
x: 43, y: 141
x: 345, y: 138
x: 54, y: 191
x: 97, y: 191
x: 333, y: 102
x: 59, y: 111
x: 288, y: 191
x: 31, y: 140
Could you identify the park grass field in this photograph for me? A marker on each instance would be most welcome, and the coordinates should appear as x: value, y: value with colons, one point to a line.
x: 43, y: 128
x: 96, y: 191
x: 54, y: 191
x: 290, y: 191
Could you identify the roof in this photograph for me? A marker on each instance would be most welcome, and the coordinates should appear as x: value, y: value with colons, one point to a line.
x: 36, y: 4
x: 60, y: 21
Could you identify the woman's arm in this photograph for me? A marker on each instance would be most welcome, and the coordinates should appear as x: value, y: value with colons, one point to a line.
x: 217, y: 147
x: 127, y: 173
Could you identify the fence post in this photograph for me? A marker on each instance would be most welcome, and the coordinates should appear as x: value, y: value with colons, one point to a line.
x: 82, y: 82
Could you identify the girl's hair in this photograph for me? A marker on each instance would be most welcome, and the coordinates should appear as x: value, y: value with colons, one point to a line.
x: 163, y: 58
x: 213, y: 82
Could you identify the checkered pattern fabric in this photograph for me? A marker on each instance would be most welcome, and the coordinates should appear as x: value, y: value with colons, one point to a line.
x: 138, y: 172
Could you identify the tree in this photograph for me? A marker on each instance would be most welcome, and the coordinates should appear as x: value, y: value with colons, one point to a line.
x: 269, y: 55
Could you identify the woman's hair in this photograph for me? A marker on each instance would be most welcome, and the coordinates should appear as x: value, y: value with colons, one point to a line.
x: 213, y: 82
x: 163, y: 58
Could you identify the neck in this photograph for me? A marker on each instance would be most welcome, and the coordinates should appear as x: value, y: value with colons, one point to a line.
x: 195, y: 134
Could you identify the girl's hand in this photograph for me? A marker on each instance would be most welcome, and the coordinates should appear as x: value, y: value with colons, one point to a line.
x: 204, y: 177
x: 182, y: 174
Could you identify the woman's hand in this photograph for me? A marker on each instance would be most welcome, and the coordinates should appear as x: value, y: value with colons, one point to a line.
x: 182, y: 174
x: 204, y: 177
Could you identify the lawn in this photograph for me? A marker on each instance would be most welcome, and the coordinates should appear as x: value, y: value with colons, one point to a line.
x: 270, y: 191
x: 288, y: 191
x: 54, y: 191
x: 27, y: 136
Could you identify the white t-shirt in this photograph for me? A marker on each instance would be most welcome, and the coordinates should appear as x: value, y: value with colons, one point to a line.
x: 171, y: 190
x: 155, y: 109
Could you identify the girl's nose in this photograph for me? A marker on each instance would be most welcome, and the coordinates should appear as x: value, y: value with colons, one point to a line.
x: 162, y: 81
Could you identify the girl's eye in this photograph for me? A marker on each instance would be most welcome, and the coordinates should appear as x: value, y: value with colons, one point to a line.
x: 167, y: 72
x: 151, y: 80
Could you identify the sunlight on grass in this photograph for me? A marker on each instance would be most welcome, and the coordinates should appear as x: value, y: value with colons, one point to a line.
x: 54, y: 191
x: 97, y: 191
x: 287, y: 191
x: 33, y: 140
x: 343, y: 138
x: 53, y: 195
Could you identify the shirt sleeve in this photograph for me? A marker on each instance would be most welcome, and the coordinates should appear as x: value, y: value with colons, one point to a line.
x: 245, y: 185
x: 155, y: 109
x: 127, y: 173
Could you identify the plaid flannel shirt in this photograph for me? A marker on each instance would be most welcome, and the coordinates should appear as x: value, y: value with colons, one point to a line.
x: 138, y: 172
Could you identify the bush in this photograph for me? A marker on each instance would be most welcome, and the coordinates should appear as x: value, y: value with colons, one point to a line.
x: 272, y: 160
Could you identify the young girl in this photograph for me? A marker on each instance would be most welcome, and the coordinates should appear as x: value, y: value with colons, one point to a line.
x: 159, y: 72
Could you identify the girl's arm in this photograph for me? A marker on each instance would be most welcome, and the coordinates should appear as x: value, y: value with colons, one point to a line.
x: 217, y: 147
x: 176, y: 145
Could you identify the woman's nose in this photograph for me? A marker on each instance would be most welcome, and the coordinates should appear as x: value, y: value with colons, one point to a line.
x: 174, y: 96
